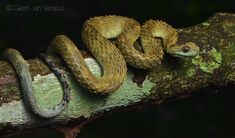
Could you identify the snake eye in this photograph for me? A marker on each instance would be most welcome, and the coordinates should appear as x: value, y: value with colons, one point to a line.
x: 185, y: 49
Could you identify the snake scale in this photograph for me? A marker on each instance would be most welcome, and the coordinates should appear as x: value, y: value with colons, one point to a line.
x: 155, y: 37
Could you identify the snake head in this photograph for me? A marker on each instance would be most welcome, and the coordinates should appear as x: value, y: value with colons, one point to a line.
x: 188, y: 49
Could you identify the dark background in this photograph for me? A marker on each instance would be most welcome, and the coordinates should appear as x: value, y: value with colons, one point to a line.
x: 208, y: 113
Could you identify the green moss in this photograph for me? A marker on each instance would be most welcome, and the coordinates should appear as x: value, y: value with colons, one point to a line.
x: 208, y: 62
x: 191, y: 72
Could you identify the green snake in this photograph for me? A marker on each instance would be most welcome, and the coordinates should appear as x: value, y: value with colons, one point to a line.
x: 155, y: 37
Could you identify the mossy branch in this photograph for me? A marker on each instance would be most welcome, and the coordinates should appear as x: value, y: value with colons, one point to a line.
x: 175, y: 77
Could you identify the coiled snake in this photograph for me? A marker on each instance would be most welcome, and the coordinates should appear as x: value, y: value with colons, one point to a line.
x: 155, y: 37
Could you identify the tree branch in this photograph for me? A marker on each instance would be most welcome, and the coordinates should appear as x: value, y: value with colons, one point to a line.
x: 174, y: 78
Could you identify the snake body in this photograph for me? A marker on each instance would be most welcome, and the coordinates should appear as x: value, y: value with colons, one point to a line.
x: 24, y: 76
x: 155, y: 38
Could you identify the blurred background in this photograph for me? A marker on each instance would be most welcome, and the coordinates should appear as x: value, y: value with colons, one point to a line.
x: 30, y: 25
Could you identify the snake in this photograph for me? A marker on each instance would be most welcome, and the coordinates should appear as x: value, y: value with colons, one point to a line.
x: 155, y: 37
x: 24, y: 76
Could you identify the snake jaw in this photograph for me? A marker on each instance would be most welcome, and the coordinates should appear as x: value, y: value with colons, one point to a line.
x: 188, y: 49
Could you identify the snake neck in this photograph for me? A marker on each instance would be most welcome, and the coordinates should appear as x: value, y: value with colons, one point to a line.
x: 158, y: 33
x: 167, y: 38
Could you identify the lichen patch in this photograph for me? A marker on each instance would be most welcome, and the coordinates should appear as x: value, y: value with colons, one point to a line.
x: 208, y: 61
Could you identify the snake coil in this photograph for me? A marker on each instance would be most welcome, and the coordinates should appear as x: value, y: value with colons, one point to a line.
x: 155, y: 38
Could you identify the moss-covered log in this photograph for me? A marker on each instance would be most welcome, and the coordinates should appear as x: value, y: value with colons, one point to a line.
x: 175, y: 77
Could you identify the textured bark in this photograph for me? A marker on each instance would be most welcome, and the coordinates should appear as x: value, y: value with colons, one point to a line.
x: 174, y: 78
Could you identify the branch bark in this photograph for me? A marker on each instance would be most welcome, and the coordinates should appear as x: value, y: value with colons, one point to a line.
x: 174, y: 78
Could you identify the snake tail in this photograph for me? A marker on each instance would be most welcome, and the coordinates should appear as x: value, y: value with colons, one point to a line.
x: 22, y: 70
